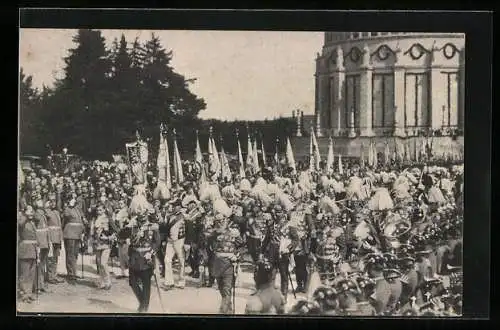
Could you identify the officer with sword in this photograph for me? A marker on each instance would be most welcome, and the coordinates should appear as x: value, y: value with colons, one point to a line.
x: 144, y: 242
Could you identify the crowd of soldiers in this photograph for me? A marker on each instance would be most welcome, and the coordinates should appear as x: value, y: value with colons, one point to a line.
x: 385, y: 241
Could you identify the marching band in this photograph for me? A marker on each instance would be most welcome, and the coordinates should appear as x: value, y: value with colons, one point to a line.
x: 360, y: 238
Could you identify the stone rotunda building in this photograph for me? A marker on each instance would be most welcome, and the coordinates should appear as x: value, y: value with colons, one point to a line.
x: 374, y: 85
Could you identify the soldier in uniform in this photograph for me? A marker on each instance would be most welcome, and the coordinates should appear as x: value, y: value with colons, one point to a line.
x: 73, y: 225
x: 55, y: 238
x: 165, y: 214
x: 328, y: 254
x: 302, y: 222
x: 104, y: 236
x: 410, y: 283
x: 42, y: 234
x: 267, y: 300
x: 278, y: 246
x: 121, y: 219
x: 226, y: 243
x: 392, y: 276
x: 206, y: 254
x: 256, y: 229
x: 175, y: 247
x: 374, y: 265
x: 27, y: 254
x: 194, y: 213
x: 144, y: 242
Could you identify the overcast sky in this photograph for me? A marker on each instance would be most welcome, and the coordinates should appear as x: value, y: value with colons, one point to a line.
x: 241, y: 74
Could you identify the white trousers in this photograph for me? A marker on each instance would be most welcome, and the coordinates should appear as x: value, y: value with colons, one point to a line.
x: 174, y: 248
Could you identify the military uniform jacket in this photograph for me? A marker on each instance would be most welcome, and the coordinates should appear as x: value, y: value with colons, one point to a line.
x: 280, y: 239
x: 303, y: 223
x: 257, y: 227
x: 73, y: 226
x: 224, y: 243
x: 145, y: 239
x: 54, y: 225
x: 192, y: 225
x: 327, y: 249
x: 42, y: 230
x: 27, y: 238
x: 101, y: 233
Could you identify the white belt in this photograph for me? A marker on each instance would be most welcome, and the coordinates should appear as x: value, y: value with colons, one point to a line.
x: 74, y: 224
x: 54, y: 227
x: 29, y: 241
x: 42, y: 230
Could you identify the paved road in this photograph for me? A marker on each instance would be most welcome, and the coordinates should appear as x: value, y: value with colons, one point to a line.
x: 86, y: 298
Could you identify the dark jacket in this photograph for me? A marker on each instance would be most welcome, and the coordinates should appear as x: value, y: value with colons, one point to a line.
x: 144, y: 240
x: 223, y: 243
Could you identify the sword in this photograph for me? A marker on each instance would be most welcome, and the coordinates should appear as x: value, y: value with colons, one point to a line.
x: 291, y: 285
x: 36, y: 274
x: 158, y: 290
x: 234, y: 288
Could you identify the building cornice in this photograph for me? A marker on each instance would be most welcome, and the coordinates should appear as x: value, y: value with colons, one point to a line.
x: 391, y: 37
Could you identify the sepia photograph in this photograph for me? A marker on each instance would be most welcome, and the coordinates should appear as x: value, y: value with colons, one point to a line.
x: 240, y: 172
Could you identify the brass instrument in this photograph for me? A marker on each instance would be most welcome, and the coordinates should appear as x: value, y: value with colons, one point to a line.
x: 397, y: 232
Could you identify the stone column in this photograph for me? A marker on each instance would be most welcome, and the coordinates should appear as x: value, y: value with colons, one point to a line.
x: 438, y: 99
x: 299, y: 128
x: 461, y: 90
x: 365, y: 103
x: 320, y: 87
x: 339, y: 88
x: 352, y: 129
x: 399, y: 102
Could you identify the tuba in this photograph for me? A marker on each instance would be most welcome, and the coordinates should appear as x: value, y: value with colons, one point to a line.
x: 397, y: 232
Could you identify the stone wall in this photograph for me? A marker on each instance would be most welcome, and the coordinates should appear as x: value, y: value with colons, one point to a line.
x: 352, y: 147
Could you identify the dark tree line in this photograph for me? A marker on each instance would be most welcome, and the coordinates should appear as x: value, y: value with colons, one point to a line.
x: 106, y: 94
